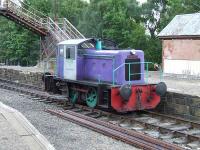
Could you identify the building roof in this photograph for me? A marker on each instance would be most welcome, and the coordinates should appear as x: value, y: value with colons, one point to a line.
x: 187, y: 25
x: 73, y: 41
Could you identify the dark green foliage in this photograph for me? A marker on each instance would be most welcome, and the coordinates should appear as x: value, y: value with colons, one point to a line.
x: 18, y: 45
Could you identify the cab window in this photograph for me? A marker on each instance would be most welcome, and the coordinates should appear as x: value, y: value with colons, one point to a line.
x: 61, y: 51
x: 70, y: 52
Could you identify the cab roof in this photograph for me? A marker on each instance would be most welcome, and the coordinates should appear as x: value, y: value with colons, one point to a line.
x: 73, y: 41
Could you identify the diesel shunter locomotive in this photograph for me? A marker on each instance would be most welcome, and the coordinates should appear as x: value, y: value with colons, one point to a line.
x: 100, y: 75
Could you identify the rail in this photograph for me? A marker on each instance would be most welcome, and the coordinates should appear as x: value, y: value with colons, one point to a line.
x: 130, y: 137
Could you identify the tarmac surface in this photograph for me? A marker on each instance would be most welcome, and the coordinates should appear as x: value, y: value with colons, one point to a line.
x: 17, y: 133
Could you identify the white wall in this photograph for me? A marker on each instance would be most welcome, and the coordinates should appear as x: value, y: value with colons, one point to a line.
x: 186, y: 67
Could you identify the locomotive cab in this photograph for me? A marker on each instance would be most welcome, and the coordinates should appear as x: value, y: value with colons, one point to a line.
x: 66, y: 61
x: 67, y: 57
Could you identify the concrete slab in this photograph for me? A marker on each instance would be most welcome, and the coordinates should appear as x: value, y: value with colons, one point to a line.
x: 16, y: 132
x: 9, y: 140
x: 177, y: 84
x: 33, y: 142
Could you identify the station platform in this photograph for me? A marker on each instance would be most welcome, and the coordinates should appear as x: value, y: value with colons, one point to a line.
x: 177, y: 84
x: 17, y: 133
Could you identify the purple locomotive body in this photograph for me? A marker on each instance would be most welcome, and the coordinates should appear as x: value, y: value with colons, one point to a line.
x: 103, y: 77
x: 99, y: 66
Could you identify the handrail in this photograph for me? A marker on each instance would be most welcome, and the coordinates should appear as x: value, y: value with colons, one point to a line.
x: 42, y: 14
x: 67, y: 21
x: 57, y: 27
x: 130, y: 74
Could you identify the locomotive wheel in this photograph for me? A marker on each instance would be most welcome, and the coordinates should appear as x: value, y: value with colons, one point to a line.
x: 91, y: 97
x: 73, y: 96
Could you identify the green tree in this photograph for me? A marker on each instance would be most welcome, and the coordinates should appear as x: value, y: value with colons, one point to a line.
x: 18, y: 45
x: 117, y: 20
x: 177, y: 7
x: 152, y: 12
x: 125, y: 21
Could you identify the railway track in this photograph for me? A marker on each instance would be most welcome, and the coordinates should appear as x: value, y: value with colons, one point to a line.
x: 106, y: 128
x: 146, y: 130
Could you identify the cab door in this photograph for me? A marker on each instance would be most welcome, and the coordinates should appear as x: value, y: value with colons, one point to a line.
x: 70, y: 62
x: 60, y: 61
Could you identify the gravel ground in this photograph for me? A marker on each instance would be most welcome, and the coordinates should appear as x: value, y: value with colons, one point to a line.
x: 62, y: 134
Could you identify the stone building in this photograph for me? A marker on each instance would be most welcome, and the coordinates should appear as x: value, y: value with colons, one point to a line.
x: 181, y: 45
